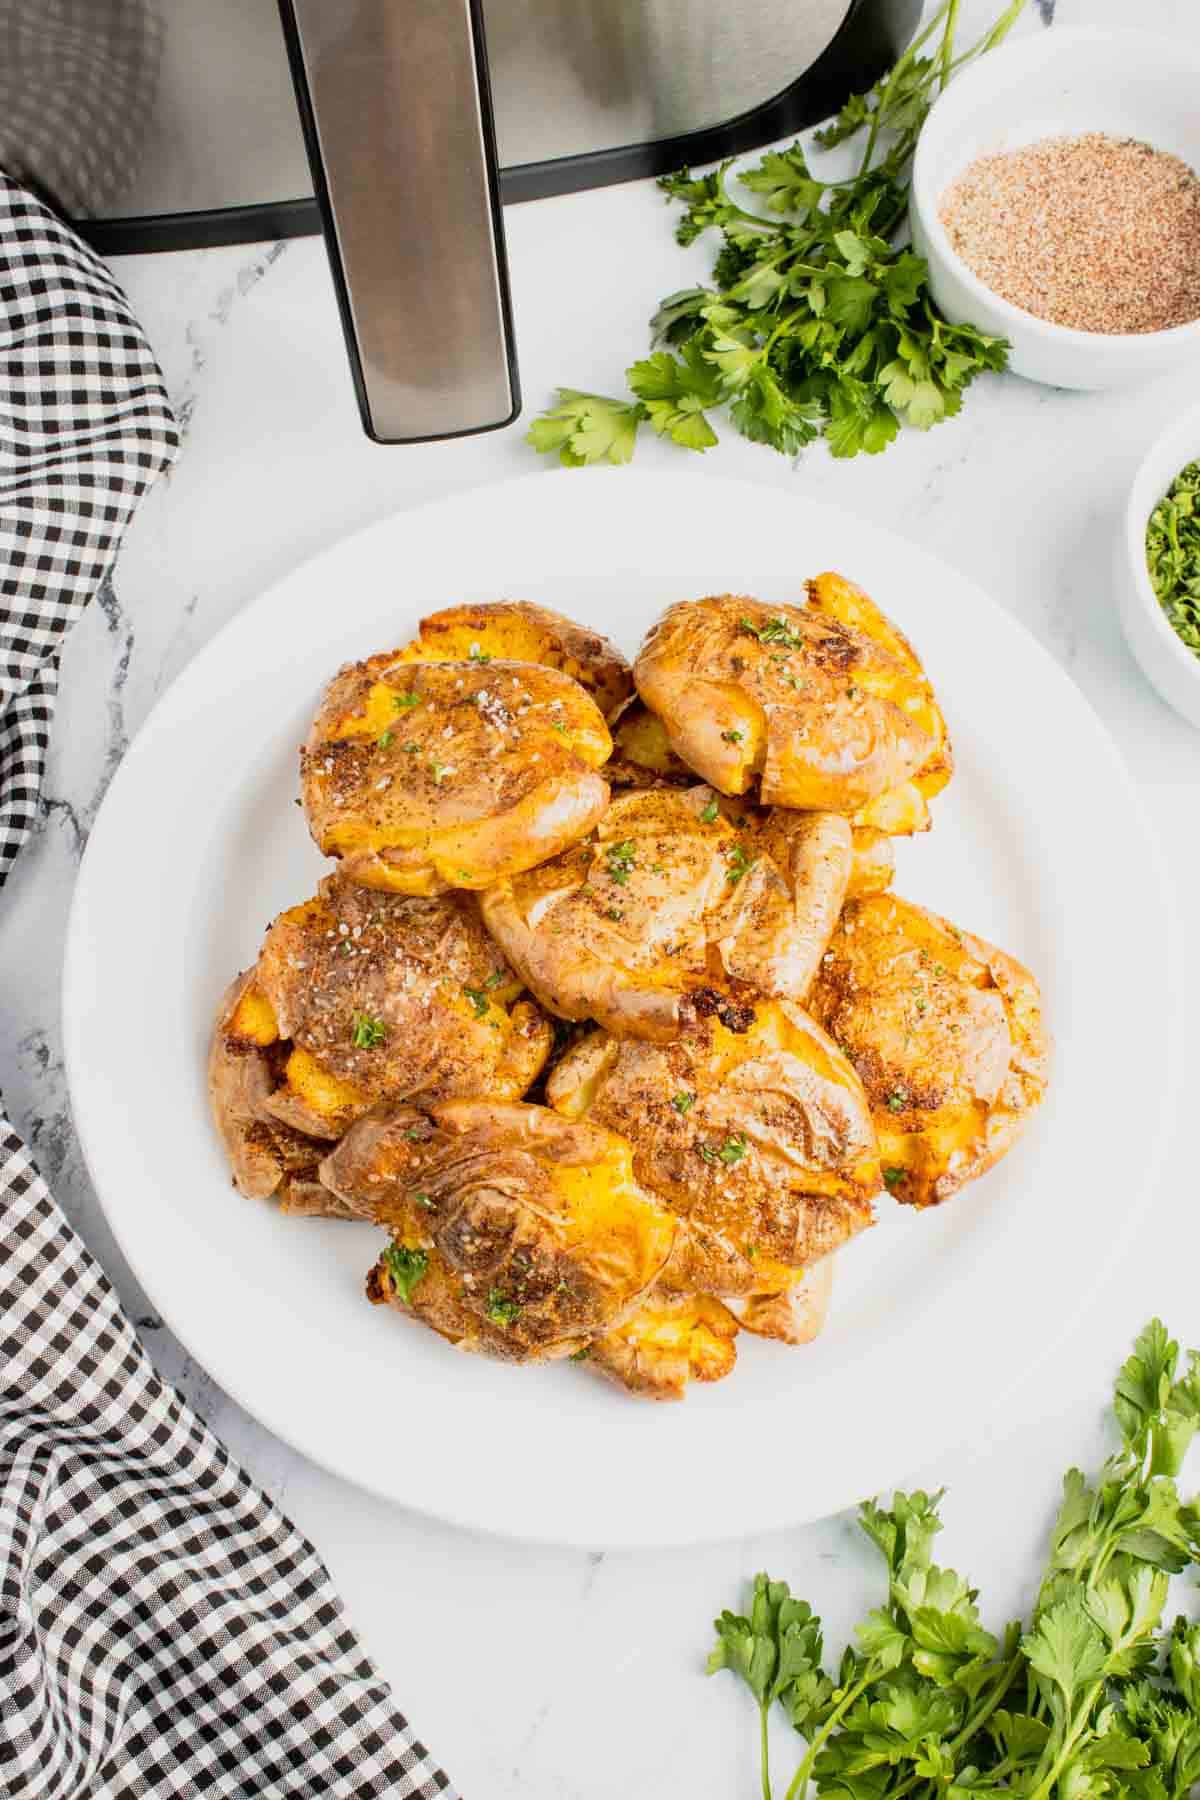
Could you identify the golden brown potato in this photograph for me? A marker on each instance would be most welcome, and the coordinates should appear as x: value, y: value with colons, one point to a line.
x: 359, y: 997
x: 825, y: 715
x: 873, y: 863
x: 534, y: 1225
x: 792, y: 1310
x: 761, y: 1142
x: 429, y: 775
x: 642, y: 754
x: 669, y: 1342
x: 946, y: 1033
x: 667, y: 901
x: 519, y: 631
x: 267, y: 1156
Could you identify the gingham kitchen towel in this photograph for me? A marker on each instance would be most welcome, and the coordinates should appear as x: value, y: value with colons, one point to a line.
x: 164, y: 1629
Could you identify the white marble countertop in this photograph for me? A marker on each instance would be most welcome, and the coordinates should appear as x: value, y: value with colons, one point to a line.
x: 538, y: 1672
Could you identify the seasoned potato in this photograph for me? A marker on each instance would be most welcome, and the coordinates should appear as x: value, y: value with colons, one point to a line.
x: 266, y: 1155
x: 669, y: 1342
x: 760, y: 1142
x: 359, y: 997
x: 428, y: 775
x: 945, y: 1032
x: 534, y: 1226
x: 642, y: 754
x: 519, y: 631
x: 823, y: 714
x: 873, y: 863
x: 792, y: 1309
x: 667, y: 901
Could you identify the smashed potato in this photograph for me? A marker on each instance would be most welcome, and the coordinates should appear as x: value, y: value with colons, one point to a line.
x: 642, y: 754
x: 359, y: 997
x: 519, y: 631
x: 432, y: 775
x: 670, y: 1341
x: 823, y: 714
x: 761, y: 1142
x: 946, y: 1034
x: 666, y: 901
x: 536, y: 1230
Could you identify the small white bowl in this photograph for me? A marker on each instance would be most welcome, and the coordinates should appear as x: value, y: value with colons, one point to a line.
x: 1060, y: 83
x: 1165, y: 659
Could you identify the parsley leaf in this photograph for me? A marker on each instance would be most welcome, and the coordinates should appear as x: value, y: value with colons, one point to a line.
x: 819, y: 319
x: 739, y: 864
x: 406, y: 1268
x: 500, y: 1309
x: 366, y: 1031
x: 710, y: 814
x: 619, y: 860
x: 683, y: 1102
x: 405, y: 701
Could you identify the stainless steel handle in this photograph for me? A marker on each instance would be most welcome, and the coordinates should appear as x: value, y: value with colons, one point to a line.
x: 393, y: 97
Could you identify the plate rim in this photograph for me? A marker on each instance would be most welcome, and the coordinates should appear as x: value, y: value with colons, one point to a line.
x: 764, y: 1517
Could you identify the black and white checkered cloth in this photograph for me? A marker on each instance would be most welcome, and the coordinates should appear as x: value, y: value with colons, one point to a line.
x: 164, y: 1629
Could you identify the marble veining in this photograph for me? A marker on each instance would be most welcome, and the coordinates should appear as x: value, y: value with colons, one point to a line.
x: 599, y: 1687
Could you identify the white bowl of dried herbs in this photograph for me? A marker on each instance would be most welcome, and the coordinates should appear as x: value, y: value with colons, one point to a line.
x: 1056, y: 198
x: 1159, y: 566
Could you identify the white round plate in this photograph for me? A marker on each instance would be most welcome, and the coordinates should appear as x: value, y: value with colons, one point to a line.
x: 1038, y: 844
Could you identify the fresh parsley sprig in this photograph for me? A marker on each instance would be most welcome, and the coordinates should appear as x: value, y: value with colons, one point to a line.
x: 1093, y: 1697
x: 819, y: 320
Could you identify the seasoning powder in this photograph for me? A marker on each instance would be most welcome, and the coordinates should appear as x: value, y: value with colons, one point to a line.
x: 1098, y: 233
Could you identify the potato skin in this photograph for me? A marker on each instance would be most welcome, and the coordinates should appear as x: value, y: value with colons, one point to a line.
x: 267, y: 1156
x: 825, y: 715
x: 542, y: 1230
x: 668, y: 900
x: 945, y: 1031
x: 520, y: 631
x: 669, y: 1342
x: 432, y: 775
x: 761, y: 1144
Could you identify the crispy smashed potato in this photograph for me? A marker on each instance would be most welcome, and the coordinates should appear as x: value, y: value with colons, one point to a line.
x: 761, y: 1142
x: 873, y: 862
x: 359, y: 997
x: 666, y: 902
x: 642, y: 754
x: 822, y: 714
x: 422, y: 776
x: 791, y: 1311
x: 946, y: 1033
x: 670, y: 1341
x: 519, y: 631
x: 535, y: 1226
x: 267, y: 1156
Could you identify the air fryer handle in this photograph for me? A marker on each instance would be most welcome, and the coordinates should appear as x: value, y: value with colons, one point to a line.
x: 393, y: 98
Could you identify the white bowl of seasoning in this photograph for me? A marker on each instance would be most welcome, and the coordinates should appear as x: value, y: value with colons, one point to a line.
x: 1165, y: 659
x: 1118, y: 85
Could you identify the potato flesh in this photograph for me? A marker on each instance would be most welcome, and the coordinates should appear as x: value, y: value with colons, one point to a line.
x: 517, y: 631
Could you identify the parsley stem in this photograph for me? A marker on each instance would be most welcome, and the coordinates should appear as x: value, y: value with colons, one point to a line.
x: 798, y: 1786
x: 1083, y: 1713
x: 979, y: 1717
x: 764, y: 1713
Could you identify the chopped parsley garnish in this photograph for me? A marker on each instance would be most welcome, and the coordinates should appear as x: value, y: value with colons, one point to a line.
x: 614, y: 912
x: 367, y: 1032
x: 557, y: 725
x: 384, y: 740
x: 501, y: 1310
x: 1173, y: 555
x: 478, y: 655
x: 478, y: 996
x: 411, y: 748
x: 406, y: 1268
x: 402, y: 702
x: 739, y: 864
x: 733, y: 736
x: 897, y: 1100
x: 425, y: 1200
x: 439, y: 770
x: 775, y: 631
x: 730, y: 1152
x: 711, y: 812
x: 619, y: 859
x: 683, y: 1102
x: 893, y: 1177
